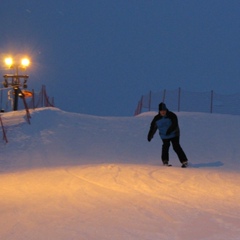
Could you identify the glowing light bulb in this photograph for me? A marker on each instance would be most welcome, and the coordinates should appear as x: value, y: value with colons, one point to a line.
x: 25, y: 62
x: 9, y: 61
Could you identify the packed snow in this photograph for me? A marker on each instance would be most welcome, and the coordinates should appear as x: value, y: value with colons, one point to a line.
x: 82, y: 177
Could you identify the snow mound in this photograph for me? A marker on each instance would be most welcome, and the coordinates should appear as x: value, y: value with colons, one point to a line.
x: 75, y: 176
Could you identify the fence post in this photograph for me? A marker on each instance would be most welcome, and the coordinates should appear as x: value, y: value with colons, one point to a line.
x: 211, y: 106
x: 139, y: 107
x: 33, y: 99
x: 42, y: 95
x: 179, y: 98
x: 149, y: 101
x: 1, y: 99
x: 53, y: 101
x: 3, y: 129
x: 164, y: 95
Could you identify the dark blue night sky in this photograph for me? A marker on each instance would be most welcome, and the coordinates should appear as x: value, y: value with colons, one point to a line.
x: 99, y: 56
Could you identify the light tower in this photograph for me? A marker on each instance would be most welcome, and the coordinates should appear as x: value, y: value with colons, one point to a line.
x: 16, y: 80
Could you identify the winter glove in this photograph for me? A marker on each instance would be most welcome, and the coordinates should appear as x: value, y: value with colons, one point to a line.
x: 149, y: 138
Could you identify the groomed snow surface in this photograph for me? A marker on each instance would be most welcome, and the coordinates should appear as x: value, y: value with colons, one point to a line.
x: 70, y: 176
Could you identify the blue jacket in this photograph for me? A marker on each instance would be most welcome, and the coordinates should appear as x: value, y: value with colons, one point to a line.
x: 167, y: 126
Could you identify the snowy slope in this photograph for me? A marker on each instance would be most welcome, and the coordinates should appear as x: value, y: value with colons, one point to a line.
x: 73, y: 176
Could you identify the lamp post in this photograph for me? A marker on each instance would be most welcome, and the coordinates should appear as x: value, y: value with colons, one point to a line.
x: 14, y: 79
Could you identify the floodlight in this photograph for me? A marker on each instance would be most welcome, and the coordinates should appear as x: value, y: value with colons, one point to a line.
x: 9, y: 61
x: 25, y: 62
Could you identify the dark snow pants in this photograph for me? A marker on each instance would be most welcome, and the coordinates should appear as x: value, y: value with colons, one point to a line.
x: 176, y: 147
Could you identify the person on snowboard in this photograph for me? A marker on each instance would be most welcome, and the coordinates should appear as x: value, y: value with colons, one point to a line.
x: 167, y: 124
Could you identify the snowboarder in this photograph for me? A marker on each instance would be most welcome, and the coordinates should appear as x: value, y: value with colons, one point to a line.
x: 167, y: 124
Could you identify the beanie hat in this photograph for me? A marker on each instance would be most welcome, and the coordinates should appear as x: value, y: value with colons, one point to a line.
x: 162, y: 106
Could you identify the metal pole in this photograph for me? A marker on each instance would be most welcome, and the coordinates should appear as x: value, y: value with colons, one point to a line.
x: 211, y: 106
x: 15, y: 103
x: 149, y: 101
x: 179, y: 98
x: 164, y: 95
